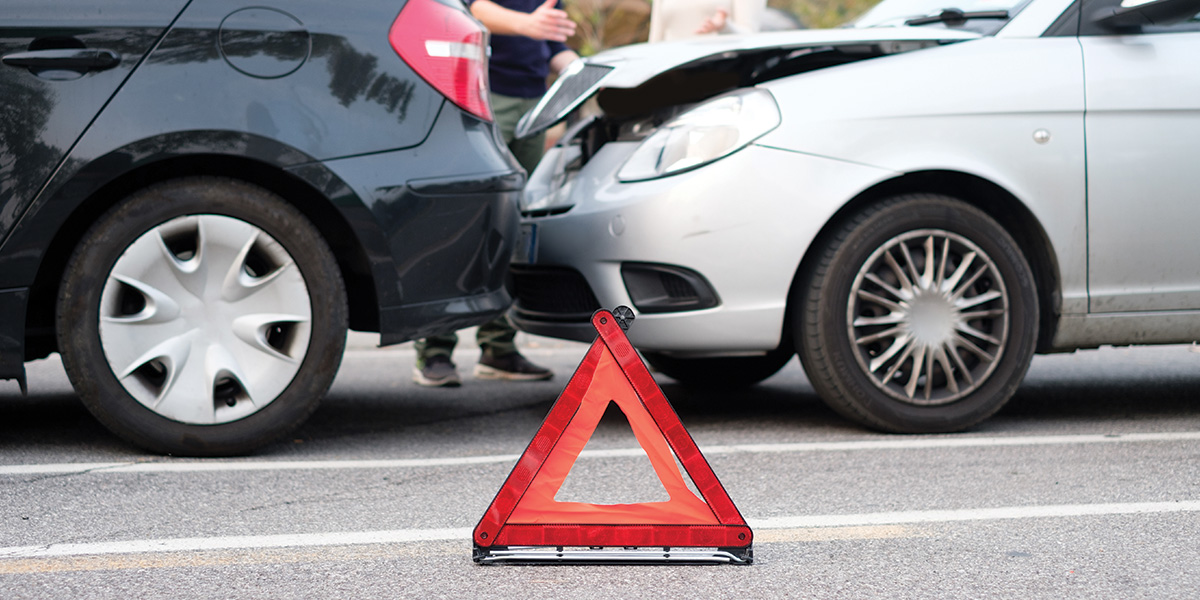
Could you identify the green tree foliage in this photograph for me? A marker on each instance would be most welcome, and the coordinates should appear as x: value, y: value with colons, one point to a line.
x: 604, y: 24
x: 821, y: 14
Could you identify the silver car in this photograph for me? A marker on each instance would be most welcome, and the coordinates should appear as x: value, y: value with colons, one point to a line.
x: 915, y: 205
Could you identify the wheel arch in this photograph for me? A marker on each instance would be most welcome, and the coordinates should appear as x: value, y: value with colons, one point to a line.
x: 352, y: 256
x: 1000, y: 204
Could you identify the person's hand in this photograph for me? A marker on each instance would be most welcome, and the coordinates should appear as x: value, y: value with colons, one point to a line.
x: 549, y: 23
x: 715, y: 23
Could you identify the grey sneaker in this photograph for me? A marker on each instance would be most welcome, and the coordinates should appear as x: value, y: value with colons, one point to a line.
x: 438, y: 371
x: 510, y: 367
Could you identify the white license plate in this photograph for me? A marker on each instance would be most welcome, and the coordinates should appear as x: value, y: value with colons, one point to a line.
x: 527, y: 242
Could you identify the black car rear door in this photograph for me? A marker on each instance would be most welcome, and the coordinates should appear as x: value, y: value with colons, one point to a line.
x: 62, y: 61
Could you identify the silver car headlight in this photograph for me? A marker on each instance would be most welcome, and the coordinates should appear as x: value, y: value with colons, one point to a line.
x: 706, y: 133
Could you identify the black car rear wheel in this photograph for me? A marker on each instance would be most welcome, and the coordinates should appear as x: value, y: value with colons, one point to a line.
x: 202, y: 316
x: 920, y: 316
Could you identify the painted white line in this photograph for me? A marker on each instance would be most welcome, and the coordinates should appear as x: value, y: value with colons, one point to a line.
x: 281, y: 465
x: 239, y: 543
x: 55, y: 469
x: 973, y: 514
x: 464, y: 534
x: 956, y: 441
x: 899, y: 443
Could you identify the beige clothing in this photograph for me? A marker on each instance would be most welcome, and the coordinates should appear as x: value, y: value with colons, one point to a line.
x: 679, y: 19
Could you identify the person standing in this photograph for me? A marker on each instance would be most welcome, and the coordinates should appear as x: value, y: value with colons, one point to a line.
x: 527, y: 45
x: 681, y: 19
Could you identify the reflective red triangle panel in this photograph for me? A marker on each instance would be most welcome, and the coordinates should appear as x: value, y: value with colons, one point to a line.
x: 524, y: 511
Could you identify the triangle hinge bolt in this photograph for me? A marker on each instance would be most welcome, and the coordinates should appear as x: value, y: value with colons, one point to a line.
x: 624, y: 316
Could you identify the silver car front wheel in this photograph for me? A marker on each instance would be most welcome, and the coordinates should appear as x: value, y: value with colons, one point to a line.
x: 929, y: 317
x: 919, y: 315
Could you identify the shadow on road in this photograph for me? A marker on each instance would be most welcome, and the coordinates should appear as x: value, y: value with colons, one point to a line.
x: 1143, y: 386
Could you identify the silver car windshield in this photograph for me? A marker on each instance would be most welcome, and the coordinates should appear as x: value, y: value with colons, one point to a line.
x: 981, y: 16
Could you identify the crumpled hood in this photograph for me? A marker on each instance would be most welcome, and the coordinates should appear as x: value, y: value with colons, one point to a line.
x: 628, y: 67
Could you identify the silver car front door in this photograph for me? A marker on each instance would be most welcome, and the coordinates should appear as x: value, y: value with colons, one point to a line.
x: 1143, y: 140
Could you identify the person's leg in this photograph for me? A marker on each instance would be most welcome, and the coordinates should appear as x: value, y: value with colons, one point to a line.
x: 508, y: 111
x: 496, y: 337
x: 529, y: 151
x: 434, y: 367
x: 499, y: 357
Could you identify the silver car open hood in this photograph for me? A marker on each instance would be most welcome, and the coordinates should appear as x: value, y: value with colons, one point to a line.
x: 628, y: 67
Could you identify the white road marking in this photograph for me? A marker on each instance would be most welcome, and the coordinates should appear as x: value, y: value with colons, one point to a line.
x: 238, y: 542
x: 790, y: 524
x: 958, y: 441
x: 973, y: 514
x: 899, y: 443
x: 173, y: 466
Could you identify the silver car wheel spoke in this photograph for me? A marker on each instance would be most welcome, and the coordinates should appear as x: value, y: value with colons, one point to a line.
x: 975, y: 333
x: 899, y: 343
x: 905, y: 284
x: 205, y: 319
x: 891, y: 373
x: 982, y: 314
x: 941, y: 275
x: 885, y: 334
x: 914, y: 374
x: 977, y: 300
x: 887, y: 287
x: 880, y: 300
x: 912, y: 266
x: 957, y: 294
x: 972, y: 348
x: 960, y: 366
x: 888, y: 319
x: 952, y: 283
x: 927, y: 274
x: 931, y: 330
x: 943, y: 360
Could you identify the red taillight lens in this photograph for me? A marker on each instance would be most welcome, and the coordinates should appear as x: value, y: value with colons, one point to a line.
x: 448, y: 49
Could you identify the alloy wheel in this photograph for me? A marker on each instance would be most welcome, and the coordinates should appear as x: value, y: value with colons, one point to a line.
x: 928, y: 314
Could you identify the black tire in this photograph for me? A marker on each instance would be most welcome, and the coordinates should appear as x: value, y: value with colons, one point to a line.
x: 202, y: 267
x: 721, y: 371
x: 940, y: 355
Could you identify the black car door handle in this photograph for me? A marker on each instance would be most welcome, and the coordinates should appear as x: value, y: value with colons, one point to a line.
x: 70, y: 59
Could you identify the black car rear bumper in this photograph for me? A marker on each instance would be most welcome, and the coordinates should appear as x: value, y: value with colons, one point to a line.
x: 438, y: 244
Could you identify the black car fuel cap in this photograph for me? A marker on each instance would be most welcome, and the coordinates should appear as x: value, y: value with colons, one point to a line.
x: 264, y: 42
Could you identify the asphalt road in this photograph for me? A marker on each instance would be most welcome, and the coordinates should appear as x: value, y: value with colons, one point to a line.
x: 1086, y: 486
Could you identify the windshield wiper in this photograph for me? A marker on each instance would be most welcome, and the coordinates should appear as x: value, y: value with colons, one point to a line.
x: 954, y: 16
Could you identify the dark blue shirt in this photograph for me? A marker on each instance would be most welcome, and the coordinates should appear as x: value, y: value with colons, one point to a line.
x: 519, y: 65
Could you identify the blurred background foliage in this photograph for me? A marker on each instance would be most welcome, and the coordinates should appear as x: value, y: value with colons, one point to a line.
x: 821, y: 14
x: 608, y: 23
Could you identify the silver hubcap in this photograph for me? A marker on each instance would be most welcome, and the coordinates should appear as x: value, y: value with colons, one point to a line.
x: 205, y: 319
x: 928, y: 314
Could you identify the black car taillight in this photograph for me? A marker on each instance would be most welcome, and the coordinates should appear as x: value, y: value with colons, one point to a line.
x: 448, y: 49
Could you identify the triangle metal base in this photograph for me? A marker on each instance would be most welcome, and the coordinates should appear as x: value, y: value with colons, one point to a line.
x: 542, y: 555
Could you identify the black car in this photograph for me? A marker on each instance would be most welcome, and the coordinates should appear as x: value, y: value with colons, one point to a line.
x: 198, y: 197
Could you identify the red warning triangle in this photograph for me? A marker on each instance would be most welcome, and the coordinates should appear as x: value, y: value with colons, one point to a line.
x: 525, y: 513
